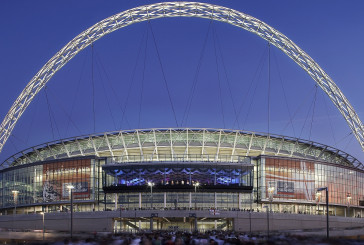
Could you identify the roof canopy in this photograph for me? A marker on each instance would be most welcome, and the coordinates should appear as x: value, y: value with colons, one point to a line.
x: 152, y: 144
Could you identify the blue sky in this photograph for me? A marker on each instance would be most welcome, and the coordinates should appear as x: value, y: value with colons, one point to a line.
x: 331, y: 32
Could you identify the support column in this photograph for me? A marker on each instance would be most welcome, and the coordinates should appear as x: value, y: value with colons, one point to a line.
x: 116, y: 226
x: 116, y: 201
x: 196, y: 224
x: 165, y: 200
x: 239, y: 200
x: 104, y: 201
x: 345, y: 211
x: 151, y: 223
x: 190, y: 202
x: 215, y: 200
x: 140, y: 200
x: 215, y: 224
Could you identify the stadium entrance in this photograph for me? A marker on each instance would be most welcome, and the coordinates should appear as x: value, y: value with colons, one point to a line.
x: 171, y: 224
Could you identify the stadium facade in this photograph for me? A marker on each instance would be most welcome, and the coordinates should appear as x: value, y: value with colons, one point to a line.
x: 182, y: 169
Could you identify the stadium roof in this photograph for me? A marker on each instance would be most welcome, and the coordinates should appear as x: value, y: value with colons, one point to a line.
x: 173, y: 143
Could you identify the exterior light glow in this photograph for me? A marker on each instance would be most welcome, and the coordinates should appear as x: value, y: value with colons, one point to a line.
x: 348, y: 196
x: 15, y: 194
x: 270, y: 193
x: 151, y: 184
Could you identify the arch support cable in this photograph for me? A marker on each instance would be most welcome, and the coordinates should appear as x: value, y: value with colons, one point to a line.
x: 181, y: 9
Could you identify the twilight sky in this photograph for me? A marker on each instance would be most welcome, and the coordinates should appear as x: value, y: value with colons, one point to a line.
x: 229, y: 67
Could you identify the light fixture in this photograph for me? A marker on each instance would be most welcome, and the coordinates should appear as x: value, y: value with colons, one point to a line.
x: 196, y: 184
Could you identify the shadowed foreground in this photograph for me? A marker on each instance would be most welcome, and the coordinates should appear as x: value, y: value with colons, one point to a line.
x: 354, y: 236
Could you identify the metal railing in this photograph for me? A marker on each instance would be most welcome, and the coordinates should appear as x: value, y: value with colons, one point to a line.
x: 179, y: 158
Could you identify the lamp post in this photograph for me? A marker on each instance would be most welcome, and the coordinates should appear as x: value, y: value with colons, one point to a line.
x: 348, y: 198
x: 15, y: 194
x: 151, y: 184
x: 327, y: 208
x: 70, y: 189
x: 42, y: 213
x: 196, y: 185
x: 269, y: 209
x: 270, y: 195
x: 250, y: 214
x: 267, y: 220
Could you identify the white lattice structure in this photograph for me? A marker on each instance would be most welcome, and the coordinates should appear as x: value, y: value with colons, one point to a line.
x: 181, y: 144
x: 181, y: 9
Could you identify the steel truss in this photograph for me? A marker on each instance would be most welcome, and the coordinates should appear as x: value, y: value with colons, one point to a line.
x: 181, y: 145
x: 181, y: 9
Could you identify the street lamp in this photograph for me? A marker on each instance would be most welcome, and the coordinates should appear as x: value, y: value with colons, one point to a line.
x: 269, y: 209
x: 270, y: 196
x: 267, y: 220
x: 15, y: 194
x: 42, y: 213
x: 151, y: 184
x: 250, y: 213
x: 197, y: 184
x: 327, y: 208
x: 348, y: 198
x: 70, y: 189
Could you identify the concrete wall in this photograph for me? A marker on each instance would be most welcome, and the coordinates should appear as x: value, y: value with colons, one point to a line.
x: 85, y: 221
x: 281, y: 222
x: 103, y: 221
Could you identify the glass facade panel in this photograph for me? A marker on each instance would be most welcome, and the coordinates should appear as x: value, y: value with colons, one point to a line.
x: 101, y: 184
x: 46, y: 183
x: 297, y: 180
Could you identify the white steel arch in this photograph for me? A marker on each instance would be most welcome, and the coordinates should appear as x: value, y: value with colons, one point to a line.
x: 181, y: 9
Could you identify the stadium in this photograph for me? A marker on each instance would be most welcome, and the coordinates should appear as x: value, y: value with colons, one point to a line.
x: 184, y: 170
x: 181, y: 178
